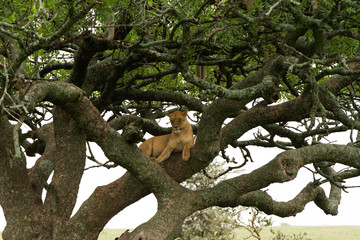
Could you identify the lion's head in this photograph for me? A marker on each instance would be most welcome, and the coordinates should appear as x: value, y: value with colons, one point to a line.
x: 178, y: 120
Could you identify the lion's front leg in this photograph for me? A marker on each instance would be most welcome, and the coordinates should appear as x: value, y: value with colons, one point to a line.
x: 186, y: 151
x: 165, y: 154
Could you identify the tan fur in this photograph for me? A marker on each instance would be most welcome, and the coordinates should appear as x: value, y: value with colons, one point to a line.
x: 181, y: 139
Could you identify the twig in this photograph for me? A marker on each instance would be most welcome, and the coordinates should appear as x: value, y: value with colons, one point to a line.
x: 106, y: 164
x: 331, y: 179
x: 225, y: 172
x: 272, y: 7
x: 99, y: 164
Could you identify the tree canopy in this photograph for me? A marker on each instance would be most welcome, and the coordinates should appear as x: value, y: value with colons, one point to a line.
x: 106, y: 71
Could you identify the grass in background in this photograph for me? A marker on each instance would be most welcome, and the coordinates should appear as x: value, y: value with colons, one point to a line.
x: 313, y: 232
x: 110, y: 234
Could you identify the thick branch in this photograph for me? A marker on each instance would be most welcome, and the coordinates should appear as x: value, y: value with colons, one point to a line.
x: 56, y: 92
x: 45, y: 164
x: 153, y: 95
x: 69, y: 165
x: 57, y: 66
x: 265, y: 203
x: 16, y: 196
x: 282, y: 168
x: 148, y: 125
x: 292, y: 110
x: 267, y: 85
x: 87, y: 49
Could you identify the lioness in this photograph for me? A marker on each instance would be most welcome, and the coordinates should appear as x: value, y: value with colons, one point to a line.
x: 181, y: 139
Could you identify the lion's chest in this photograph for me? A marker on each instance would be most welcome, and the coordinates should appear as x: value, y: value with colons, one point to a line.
x: 179, y: 142
x: 179, y: 146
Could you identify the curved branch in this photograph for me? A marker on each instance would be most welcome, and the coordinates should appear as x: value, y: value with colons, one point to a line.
x: 284, y: 167
x: 57, y: 66
x: 339, y: 70
x: 154, y: 95
x: 56, y: 92
x: 293, y: 110
x: 298, y: 139
x: 269, y: 84
x: 264, y: 202
x: 87, y: 49
x: 148, y: 125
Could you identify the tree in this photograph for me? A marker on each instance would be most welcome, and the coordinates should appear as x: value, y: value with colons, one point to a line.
x: 102, y: 70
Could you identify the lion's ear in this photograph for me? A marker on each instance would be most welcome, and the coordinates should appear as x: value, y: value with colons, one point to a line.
x: 185, y: 112
x: 169, y: 114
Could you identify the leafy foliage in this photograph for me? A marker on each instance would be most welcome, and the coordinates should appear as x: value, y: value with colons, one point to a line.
x: 282, y: 236
x: 211, y: 223
x: 215, y: 222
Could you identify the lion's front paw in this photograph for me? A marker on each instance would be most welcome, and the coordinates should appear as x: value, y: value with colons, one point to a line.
x: 185, y: 156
